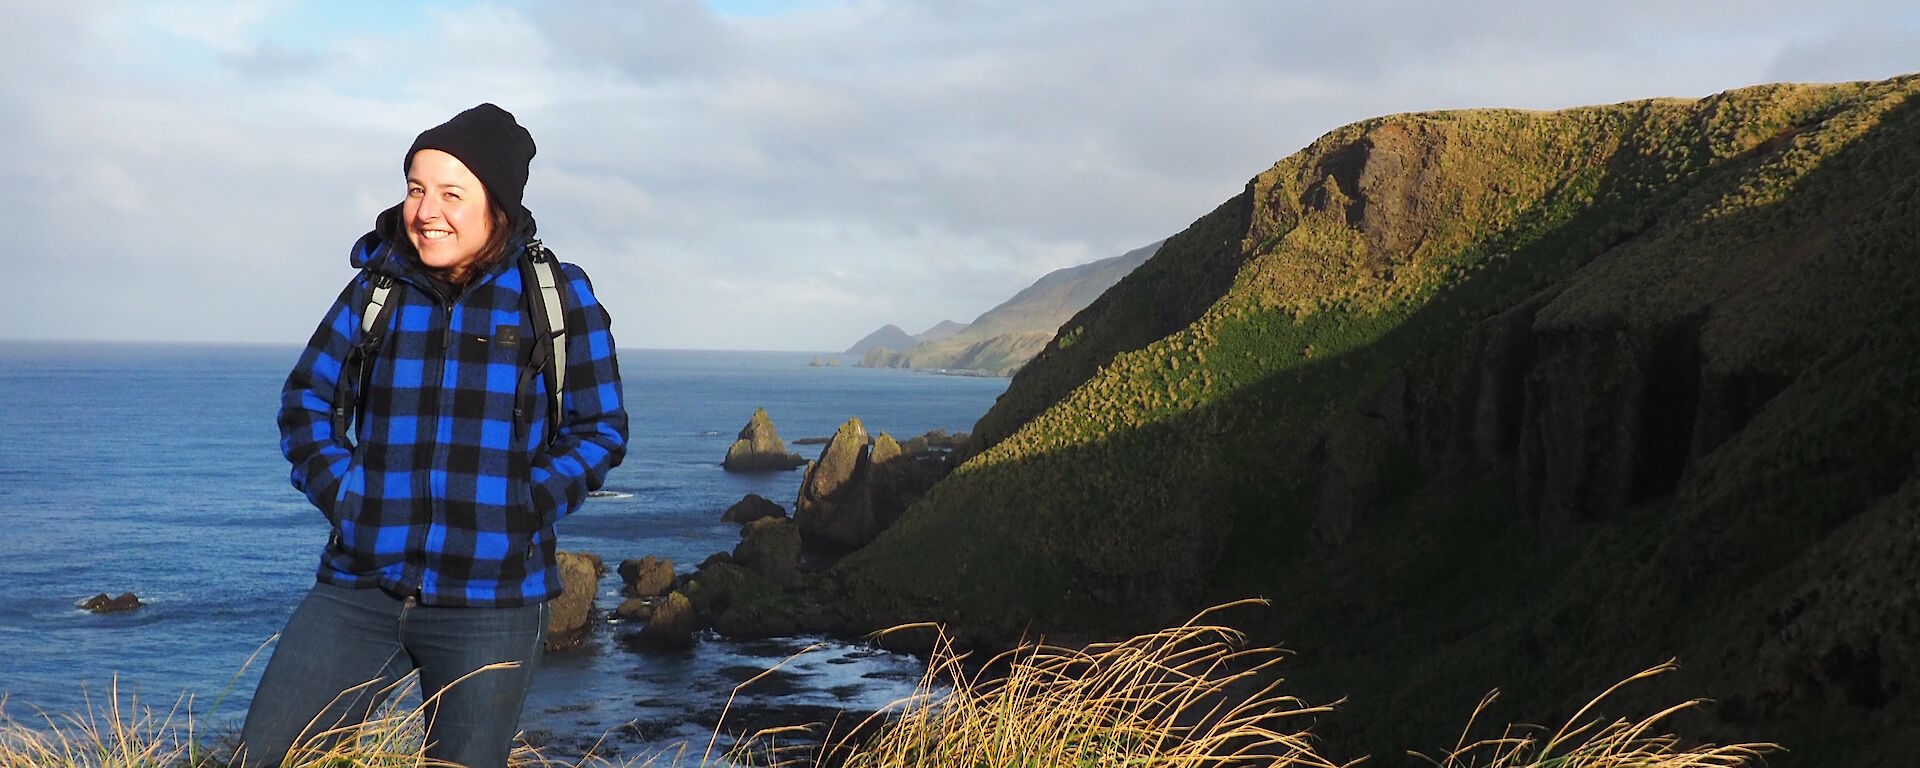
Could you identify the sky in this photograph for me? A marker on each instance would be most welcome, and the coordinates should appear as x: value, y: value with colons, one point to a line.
x: 761, y: 174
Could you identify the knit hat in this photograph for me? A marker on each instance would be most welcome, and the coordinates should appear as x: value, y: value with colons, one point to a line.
x: 488, y: 141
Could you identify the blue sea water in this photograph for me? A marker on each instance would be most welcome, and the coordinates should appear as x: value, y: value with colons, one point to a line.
x: 155, y: 469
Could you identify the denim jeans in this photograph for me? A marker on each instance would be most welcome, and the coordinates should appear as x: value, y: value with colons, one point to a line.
x: 343, y: 648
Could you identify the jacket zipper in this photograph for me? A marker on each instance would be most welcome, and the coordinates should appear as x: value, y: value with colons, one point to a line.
x: 437, y: 470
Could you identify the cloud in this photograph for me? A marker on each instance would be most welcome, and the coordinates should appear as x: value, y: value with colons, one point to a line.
x: 270, y: 59
x: 1856, y: 51
x: 765, y: 175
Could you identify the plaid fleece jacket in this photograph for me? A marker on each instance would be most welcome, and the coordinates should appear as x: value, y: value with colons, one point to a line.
x: 438, y: 492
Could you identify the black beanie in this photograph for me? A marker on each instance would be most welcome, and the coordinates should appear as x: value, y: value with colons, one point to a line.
x: 488, y: 141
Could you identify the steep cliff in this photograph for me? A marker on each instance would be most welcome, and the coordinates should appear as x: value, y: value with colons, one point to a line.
x: 1527, y: 400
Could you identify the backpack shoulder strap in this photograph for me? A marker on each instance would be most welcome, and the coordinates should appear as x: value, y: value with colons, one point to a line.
x: 378, y: 309
x: 548, y: 310
x: 358, y: 367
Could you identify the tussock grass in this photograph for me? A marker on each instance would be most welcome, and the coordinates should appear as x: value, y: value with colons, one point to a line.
x: 1184, y: 697
x: 1585, y: 743
x: 108, y: 735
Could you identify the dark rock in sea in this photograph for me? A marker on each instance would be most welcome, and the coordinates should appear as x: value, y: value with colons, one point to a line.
x: 741, y: 604
x: 714, y: 559
x: 770, y: 547
x: 813, y: 441
x: 833, y: 510
x: 759, y: 447
x: 649, y: 576
x: 634, y: 609
x: 569, y: 614
x: 752, y: 507
x: 670, y: 629
x: 101, y: 603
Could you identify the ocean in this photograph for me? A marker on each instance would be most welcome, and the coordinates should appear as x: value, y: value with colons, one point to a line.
x: 155, y: 469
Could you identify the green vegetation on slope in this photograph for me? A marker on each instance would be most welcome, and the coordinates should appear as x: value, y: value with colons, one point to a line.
x: 1493, y: 398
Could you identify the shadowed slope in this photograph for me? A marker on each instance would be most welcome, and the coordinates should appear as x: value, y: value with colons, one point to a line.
x: 1492, y: 399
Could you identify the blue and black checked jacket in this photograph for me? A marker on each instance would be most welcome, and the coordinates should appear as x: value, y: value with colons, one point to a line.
x: 438, y: 494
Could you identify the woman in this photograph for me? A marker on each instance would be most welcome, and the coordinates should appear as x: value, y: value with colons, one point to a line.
x: 443, y: 503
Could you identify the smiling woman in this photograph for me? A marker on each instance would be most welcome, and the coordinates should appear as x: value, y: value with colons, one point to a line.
x: 443, y: 494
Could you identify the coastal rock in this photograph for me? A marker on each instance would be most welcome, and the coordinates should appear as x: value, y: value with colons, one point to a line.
x: 741, y: 604
x: 833, y: 511
x: 569, y: 613
x: 634, y: 609
x: 670, y: 629
x: 752, y: 507
x: 933, y: 446
x: 101, y: 603
x: 770, y: 548
x: 649, y: 576
x: 898, y: 478
x: 759, y: 447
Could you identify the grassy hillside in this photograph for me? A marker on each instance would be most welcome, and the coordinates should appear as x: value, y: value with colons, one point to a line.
x: 1494, y: 399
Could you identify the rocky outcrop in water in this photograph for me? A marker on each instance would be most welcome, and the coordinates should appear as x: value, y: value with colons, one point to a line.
x: 770, y: 548
x: 101, y: 603
x: 649, y: 576
x: 759, y: 447
x: 750, y: 508
x: 834, y: 510
x: 670, y: 628
x: 571, y: 613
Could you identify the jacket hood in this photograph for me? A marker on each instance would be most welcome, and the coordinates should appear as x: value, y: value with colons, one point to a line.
x: 385, y: 248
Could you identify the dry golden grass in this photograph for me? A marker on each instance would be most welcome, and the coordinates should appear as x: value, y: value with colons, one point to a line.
x: 1584, y: 743
x: 1186, y: 696
x: 1190, y: 696
x: 108, y: 736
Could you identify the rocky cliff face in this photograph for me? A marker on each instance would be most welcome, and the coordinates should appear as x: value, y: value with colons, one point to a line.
x: 1494, y: 399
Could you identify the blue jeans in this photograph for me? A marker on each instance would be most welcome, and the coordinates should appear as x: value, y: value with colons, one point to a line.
x: 343, y: 648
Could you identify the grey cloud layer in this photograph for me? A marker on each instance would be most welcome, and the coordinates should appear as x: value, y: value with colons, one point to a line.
x: 777, y: 182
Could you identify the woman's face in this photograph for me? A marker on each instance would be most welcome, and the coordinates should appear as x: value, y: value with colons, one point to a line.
x: 446, y: 211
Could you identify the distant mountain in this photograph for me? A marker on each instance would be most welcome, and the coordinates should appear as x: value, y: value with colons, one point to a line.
x: 1004, y: 338
x: 888, y: 337
x: 941, y: 330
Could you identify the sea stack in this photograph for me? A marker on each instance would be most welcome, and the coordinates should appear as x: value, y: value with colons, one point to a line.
x: 759, y: 448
